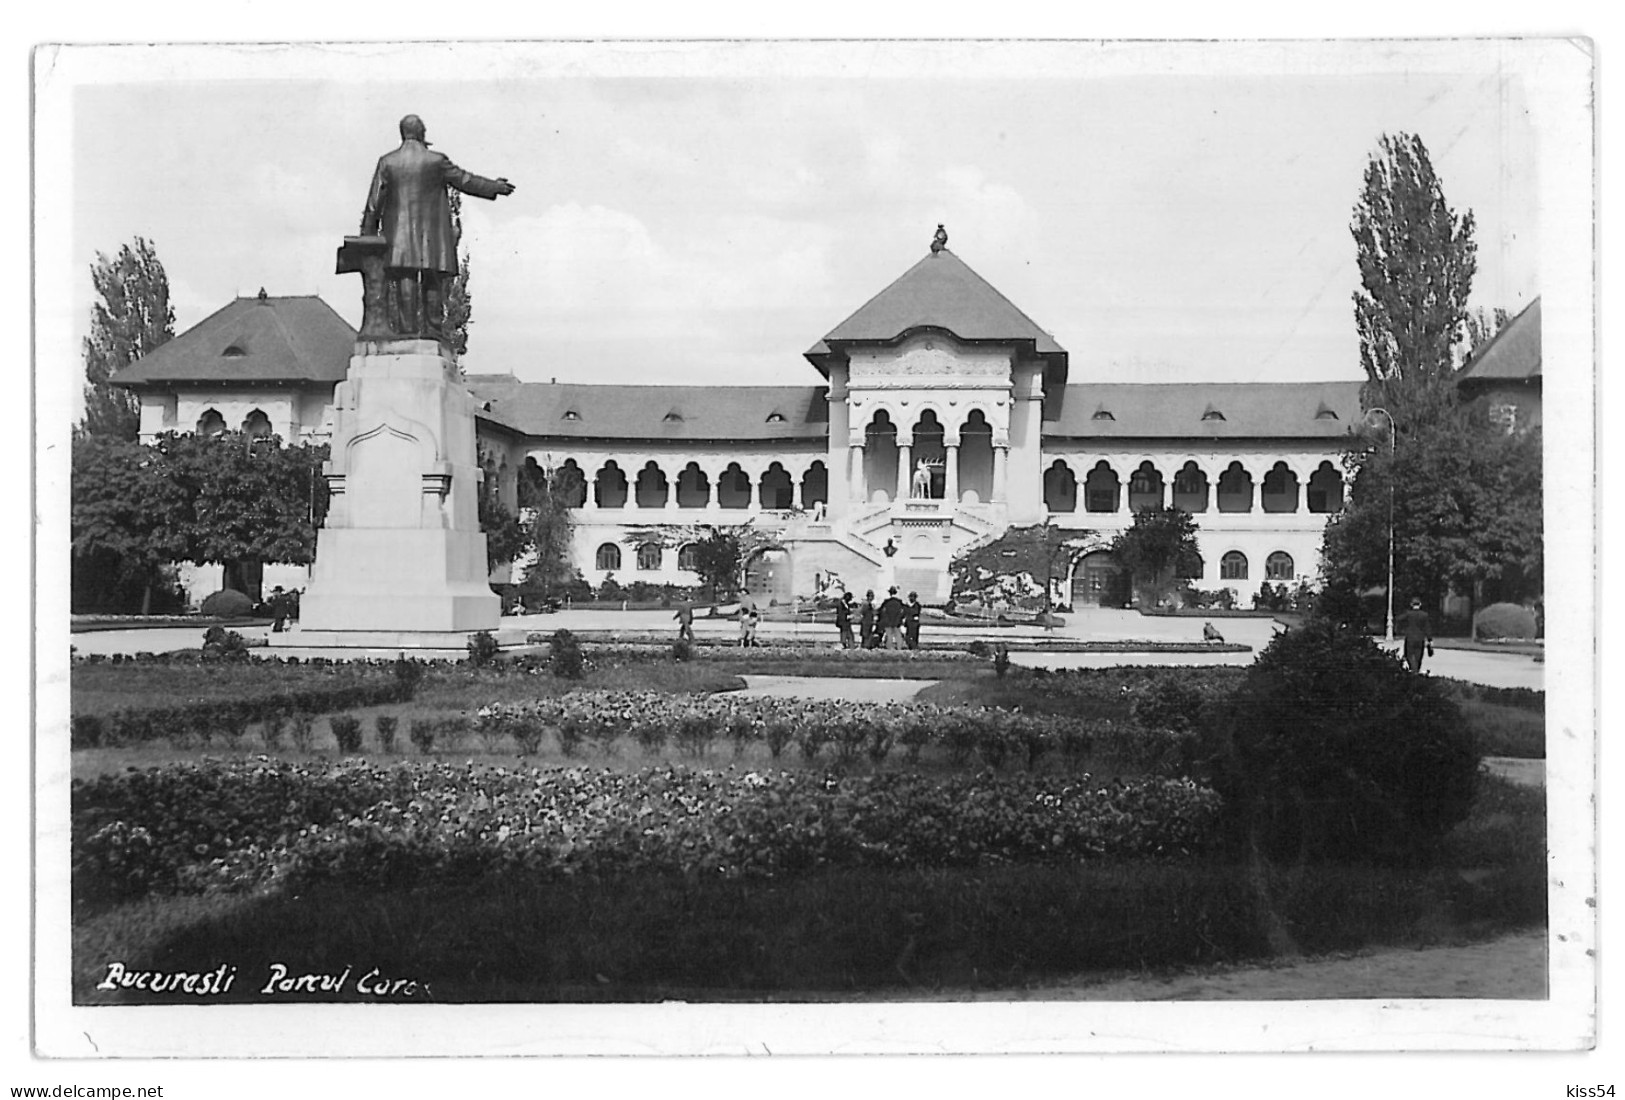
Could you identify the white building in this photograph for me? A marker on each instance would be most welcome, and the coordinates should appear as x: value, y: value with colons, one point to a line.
x: 938, y: 368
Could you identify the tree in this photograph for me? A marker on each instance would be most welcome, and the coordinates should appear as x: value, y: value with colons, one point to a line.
x: 1022, y: 563
x: 721, y: 554
x: 129, y: 518
x: 1160, y: 546
x: 1467, y: 514
x: 1481, y: 329
x: 132, y: 319
x: 1417, y: 260
x: 459, y: 304
x: 545, y: 510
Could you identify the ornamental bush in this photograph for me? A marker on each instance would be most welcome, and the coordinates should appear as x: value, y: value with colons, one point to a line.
x: 565, y: 659
x: 1503, y: 621
x: 1330, y: 750
x: 227, y: 603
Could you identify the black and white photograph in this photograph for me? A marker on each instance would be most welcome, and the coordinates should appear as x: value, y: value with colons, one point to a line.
x: 814, y: 548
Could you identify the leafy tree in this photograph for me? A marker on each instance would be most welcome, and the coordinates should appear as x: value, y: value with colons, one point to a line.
x: 553, y: 570
x: 1021, y: 559
x: 721, y: 554
x: 129, y: 518
x: 1481, y: 329
x: 131, y: 320
x: 225, y: 499
x: 459, y: 305
x: 1417, y: 260
x: 1158, y: 548
x: 506, y: 538
x: 1467, y: 515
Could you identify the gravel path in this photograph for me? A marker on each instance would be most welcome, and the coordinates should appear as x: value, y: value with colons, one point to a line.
x: 851, y: 689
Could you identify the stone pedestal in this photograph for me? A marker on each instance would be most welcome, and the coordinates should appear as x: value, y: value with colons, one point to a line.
x: 401, y: 554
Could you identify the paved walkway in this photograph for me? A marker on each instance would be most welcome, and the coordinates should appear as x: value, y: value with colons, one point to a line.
x: 1092, y: 625
x: 849, y: 689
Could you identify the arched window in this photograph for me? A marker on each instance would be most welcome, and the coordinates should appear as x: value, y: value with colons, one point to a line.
x: 211, y: 423
x: 649, y: 556
x: 651, y: 486
x: 1060, y: 488
x: 1233, y: 566
x: 1145, y: 488
x: 733, y: 487
x: 257, y: 425
x: 608, y: 557
x: 610, y: 486
x: 1190, y: 488
x: 1280, y: 489
x: 1325, y: 489
x: 777, y: 491
x: 1235, y: 489
x: 1101, y: 488
x: 571, y: 484
x: 815, y: 485
x: 1278, y: 567
x: 688, y: 557
x: 693, y: 487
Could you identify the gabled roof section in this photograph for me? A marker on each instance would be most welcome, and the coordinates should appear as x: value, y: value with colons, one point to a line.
x: 1513, y: 354
x: 644, y: 413
x: 940, y: 292
x: 261, y: 339
x: 1164, y: 410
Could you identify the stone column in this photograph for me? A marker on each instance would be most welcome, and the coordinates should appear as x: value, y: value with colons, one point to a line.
x: 905, y: 467
x: 950, y: 473
x: 856, y: 489
x: 1001, y: 456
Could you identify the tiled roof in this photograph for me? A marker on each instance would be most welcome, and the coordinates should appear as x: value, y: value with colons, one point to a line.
x: 941, y: 291
x: 1513, y: 353
x: 577, y: 411
x: 1215, y: 410
x: 260, y: 339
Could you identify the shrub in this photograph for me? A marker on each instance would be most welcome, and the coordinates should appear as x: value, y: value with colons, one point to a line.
x: 1504, y: 620
x: 385, y: 725
x: 227, y: 603
x: 302, y: 731
x: 1167, y: 703
x: 1329, y: 749
x: 564, y: 658
x: 482, y: 649
x: 422, y: 731
x: 87, y: 731
x: 1001, y: 660
x: 271, y: 729
x: 408, y: 673
x: 347, y: 732
x: 681, y: 650
x: 220, y: 644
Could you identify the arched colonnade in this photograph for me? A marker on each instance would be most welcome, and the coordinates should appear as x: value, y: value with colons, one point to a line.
x: 1077, y: 483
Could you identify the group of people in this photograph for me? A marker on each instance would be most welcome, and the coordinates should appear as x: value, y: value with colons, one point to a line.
x: 892, y: 624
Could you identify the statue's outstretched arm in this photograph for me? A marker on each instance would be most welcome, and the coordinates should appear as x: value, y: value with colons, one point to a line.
x: 470, y: 184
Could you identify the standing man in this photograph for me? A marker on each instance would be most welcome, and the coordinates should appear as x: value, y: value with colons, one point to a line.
x: 866, y: 620
x: 891, y: 620
x: 843, y: 619
x: 409, y: 206
x: 911, y: 621
x: 685, y: 622
x: 1417, y: 630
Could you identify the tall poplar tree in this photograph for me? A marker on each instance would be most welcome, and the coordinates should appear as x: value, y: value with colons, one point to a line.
x: 132, y: 319
x: 459, y: 303
x: 1417, y: 260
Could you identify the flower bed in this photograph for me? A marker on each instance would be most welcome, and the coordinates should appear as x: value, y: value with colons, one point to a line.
x: 261, y: 823
x: 835, y: 729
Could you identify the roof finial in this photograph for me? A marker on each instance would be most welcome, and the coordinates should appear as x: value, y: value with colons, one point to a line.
x: 262, y: 294
x: 940, y: 241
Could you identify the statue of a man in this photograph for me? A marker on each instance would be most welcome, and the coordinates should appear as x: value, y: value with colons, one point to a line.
x: 408, y: 204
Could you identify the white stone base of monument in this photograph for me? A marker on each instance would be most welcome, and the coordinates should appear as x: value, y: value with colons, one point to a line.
x: 394, y: 580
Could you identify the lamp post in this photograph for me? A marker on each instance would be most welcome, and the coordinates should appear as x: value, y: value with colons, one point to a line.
x: 1388, y: 629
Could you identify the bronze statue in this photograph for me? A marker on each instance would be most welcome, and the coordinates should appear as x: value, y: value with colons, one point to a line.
x: 409, y: 214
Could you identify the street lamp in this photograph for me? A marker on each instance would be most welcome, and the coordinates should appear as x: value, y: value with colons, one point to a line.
x: 1388, y: 630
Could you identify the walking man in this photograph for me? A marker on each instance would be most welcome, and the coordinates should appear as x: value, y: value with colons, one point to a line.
x: 1417, y: 630
x: 911, y: 621
x: 843, y: 619
x: 866, y: 620
x: 891, y: 620
x: 685, y: 622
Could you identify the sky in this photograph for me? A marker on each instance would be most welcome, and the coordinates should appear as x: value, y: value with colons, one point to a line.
x: 705, y: 213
